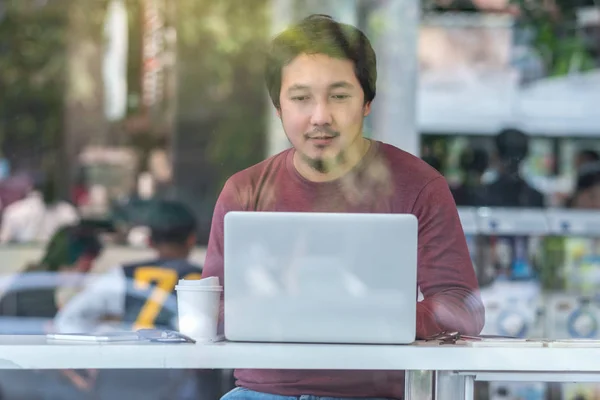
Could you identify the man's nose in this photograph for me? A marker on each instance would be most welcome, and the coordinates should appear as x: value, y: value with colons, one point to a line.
x: 321, y: 114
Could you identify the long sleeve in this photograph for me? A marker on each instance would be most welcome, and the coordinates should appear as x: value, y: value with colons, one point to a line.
x: 446, y: 277
x: 213, y: 265
x: 8, y: 229
x: 103, y: 298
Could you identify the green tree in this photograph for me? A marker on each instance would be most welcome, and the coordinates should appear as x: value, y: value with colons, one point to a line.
x: 555, y: 36
x: 221, y: 48
x: 48, y: 52
x: 32, y: 66
x: 222, y: 108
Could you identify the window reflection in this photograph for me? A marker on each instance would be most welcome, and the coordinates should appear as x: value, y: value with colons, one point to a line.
x: 108, y: 108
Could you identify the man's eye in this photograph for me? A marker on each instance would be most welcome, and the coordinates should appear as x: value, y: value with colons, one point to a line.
x: 340, y: 96
x: 300, y: 98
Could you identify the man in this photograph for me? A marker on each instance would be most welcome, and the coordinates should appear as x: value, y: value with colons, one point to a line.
x: 141, y: 295
x: 38, y: 216
x: 43, y: 287
x: 587, y: 192
x: 473, y: 163
x: 510, y: 189
x: 560, y: 189
x: 585, y: 156
x: 136, y: 294
x: 321, y: 78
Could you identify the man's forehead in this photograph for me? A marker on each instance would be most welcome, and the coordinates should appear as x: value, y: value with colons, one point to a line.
x: 319, y: 85
x: 309, y: 64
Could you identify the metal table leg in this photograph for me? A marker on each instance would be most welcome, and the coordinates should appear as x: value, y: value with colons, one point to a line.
x: 469, y: 387
x: 418, y: 385
x: 452, y: 386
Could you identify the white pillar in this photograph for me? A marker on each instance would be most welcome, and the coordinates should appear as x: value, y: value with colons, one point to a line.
x: 393, y: 30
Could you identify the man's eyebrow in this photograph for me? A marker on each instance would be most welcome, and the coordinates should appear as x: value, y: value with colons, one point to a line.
x: 335, y: 85
x: 297, y: 87
x: 342, y: 85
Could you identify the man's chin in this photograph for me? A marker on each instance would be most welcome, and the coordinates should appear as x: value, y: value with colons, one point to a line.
x: 323, y: 163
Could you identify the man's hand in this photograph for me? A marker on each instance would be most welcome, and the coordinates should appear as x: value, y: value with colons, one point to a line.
x: 85, y: 384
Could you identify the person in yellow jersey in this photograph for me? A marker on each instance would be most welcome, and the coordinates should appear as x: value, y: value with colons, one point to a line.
x: 140, y: 294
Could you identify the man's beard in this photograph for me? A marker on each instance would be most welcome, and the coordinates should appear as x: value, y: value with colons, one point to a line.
x: 325, y: 165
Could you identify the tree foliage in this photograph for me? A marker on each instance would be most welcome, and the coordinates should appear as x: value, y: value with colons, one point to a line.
x: 553, y: 26
x: 221, y: 47
x: 221, y: 101
x: 32, y: 66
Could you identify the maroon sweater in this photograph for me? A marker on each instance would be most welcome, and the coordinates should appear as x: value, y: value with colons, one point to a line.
x: 388, y: 180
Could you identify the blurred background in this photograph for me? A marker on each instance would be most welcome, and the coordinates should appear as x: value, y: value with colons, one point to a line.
x: 108, y: 106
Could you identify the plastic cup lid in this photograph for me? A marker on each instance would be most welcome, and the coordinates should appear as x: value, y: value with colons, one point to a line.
x: 211, y: 281
x: 192, y: 288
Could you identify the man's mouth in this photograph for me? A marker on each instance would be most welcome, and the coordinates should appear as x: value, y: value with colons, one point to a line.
x: 321, y: 137
x: 321, y: 140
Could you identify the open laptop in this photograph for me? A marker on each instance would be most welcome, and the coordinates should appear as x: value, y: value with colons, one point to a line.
x: 320, y: 277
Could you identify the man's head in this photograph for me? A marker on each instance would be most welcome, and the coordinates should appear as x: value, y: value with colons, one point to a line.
x: 172, y: 229
x: 321, y: 77
x: 587, y: 192
x: 45, y: 185
x: 512, y: 147
x: 72, y: 248
x: 585, y: 157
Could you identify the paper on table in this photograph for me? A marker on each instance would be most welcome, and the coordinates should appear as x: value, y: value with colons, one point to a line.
x: 100, y: 337
x: 500, y: 342
x: 573, y: 343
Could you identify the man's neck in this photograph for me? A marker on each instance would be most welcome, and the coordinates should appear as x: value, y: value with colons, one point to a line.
x: 352, y: 156
x: 172, y: 253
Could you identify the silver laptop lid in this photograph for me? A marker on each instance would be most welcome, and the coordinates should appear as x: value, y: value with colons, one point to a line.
x: 320, y: 277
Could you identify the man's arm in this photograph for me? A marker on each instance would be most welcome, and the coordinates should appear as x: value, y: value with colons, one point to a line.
x: 102, y: 299
x: 7, y: 227
x: 213, y: 265
x: 445, y: 273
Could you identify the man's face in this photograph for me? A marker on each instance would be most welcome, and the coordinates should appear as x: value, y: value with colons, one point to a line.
x: 322, y: 108
x: 85, y: 263
x: 588, y: 198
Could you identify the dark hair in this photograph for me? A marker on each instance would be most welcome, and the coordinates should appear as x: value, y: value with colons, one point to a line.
x: 589, y: 155
x: 512, y: 143
x: 46, y: 186
x: 588, y: 176
x: 512, y: 146
x: 49, y: 192
x: 68, y: 244
x: 171, y: 222
x: 321, y: 34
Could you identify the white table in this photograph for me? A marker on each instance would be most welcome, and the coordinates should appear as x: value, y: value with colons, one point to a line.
x: 451, y: 369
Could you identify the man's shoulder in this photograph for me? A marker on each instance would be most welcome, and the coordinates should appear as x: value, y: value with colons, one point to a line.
x: 130, y: 269
x: 179, y: 266
x: 256, y: 172
x: 141, y: 263
x: 20, y: 207
x: 406, y: 167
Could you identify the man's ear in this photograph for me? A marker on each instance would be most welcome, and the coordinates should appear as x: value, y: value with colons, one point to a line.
x: 278, y: 111
x: 367, y: 109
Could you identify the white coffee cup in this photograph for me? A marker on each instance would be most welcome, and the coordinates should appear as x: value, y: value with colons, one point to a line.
x: 198, y: 311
